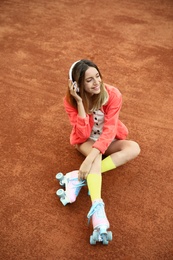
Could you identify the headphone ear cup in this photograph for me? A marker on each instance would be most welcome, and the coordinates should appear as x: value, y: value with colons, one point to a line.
x: 75, y: 86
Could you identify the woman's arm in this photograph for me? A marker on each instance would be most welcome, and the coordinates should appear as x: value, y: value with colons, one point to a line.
x: 80, y: 108
x: 79, y: 120
x: 87, y: 163
x: 73, y: 92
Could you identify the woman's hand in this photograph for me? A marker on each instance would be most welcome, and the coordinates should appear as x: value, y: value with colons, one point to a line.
x: 73, y: 91
x: 84, y: 170
x: 92, y: 161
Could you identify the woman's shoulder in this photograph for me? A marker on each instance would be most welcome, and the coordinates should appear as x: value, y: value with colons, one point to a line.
x: 112, y: 90
x: 67, y: 104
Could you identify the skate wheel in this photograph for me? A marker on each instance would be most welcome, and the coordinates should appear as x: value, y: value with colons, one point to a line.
x: 95, y: 235
x: 60, y: 178
x: 60, y: 193
x: 109, y: 236
x: 64, y: 201
x: 104, y: 239
x: 105, y: 242
x: 92, y: 240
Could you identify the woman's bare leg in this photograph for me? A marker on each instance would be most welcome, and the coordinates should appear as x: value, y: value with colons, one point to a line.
x: 85, y: 148
x: 121, y: 151
x: 96, y: 166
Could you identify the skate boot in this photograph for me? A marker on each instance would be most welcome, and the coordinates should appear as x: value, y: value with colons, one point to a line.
x: 72, y: 187
x: 100, y: 224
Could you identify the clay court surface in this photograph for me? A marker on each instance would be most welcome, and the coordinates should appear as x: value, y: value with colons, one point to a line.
x: 132, y: 43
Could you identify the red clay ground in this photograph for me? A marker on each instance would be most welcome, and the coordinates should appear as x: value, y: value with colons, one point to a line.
x: 132, y: 43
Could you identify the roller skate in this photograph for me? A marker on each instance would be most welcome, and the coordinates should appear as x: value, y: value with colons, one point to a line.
x: 100, y: 224
x: 72, y: 187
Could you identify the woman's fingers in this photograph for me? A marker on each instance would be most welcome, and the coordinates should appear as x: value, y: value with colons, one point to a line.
x: 82, y: 175
x: 72, y: 88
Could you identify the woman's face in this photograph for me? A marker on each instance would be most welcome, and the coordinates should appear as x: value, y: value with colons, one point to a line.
x: 92, y: 81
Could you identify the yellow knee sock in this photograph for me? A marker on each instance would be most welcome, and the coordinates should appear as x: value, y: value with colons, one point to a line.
x: 94, y: 182
x: 107, y: 164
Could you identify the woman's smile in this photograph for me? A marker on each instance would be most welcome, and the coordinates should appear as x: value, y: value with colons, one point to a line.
x: 96, y: 88
x: 92, y: 80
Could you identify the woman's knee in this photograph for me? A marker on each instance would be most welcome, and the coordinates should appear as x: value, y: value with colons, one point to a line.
x: 80, y: 149
x: 134, y: 149
x: 85, y: 148
x: 77, y: 146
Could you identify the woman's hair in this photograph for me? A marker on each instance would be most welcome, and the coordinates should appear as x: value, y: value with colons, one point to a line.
x: 78, y: 75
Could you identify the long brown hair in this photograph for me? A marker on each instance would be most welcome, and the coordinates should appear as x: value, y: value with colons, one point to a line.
x: 90, y: 103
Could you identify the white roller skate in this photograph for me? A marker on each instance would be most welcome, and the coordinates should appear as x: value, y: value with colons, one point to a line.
x: 100, y: 224
x: 72, y: 187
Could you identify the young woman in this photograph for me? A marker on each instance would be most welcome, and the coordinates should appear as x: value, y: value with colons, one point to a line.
x: 93, y: 108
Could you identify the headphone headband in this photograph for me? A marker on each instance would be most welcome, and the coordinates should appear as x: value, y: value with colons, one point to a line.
x: 71, y: 69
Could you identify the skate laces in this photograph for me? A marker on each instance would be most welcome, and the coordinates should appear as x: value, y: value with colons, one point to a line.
x: 77, y: 186
x: 95, y: 207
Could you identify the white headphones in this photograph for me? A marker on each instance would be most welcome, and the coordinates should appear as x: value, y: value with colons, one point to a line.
x: 70, y: 75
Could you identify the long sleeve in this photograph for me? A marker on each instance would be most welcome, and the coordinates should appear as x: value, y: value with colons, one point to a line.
x: 81, y: 127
